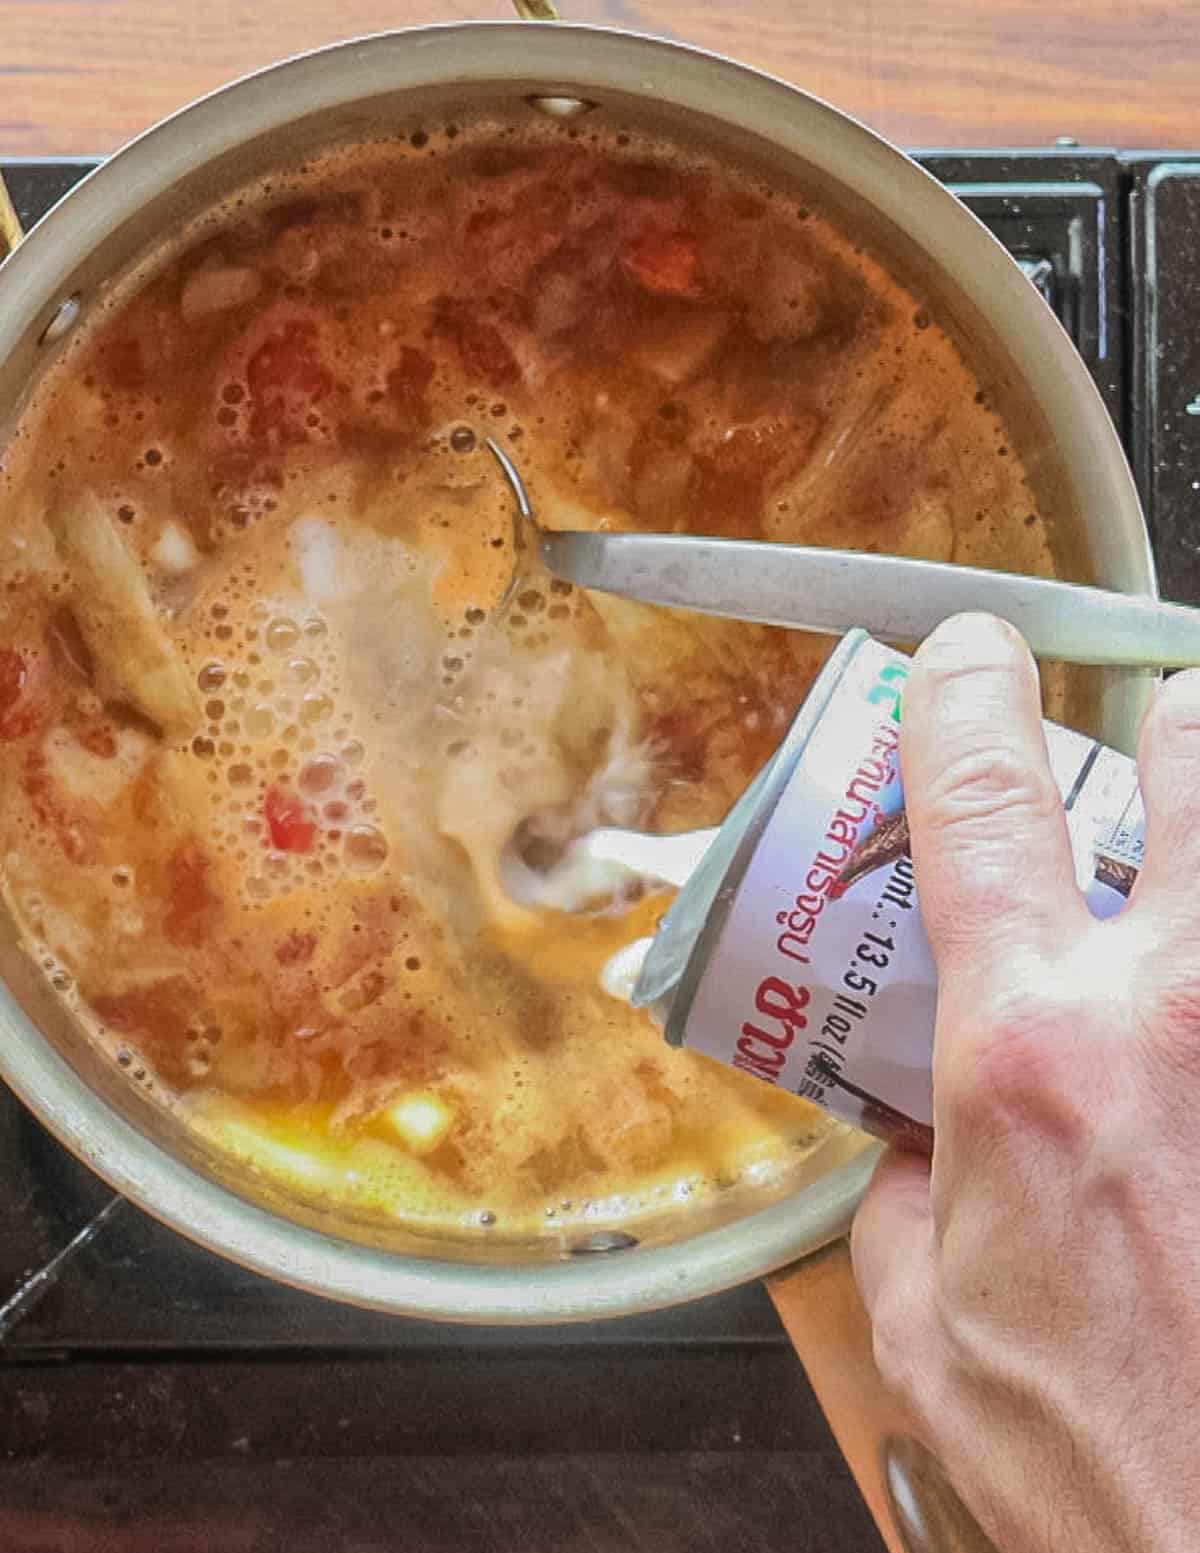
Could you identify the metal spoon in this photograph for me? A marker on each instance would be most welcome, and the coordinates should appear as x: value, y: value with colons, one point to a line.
x: 895, y: 598
x: 529, y: 537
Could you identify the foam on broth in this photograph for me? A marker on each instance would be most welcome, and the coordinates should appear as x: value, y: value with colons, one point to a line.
x: 267, y: 719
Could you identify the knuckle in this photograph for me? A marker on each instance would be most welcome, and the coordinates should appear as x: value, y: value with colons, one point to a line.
x: 1169, y: 1017
x: 988, y: 792
x: 1177, y: 1010
x: 1019, y: 1075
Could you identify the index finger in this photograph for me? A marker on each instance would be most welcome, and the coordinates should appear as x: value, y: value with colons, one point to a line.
x: 989, y: 836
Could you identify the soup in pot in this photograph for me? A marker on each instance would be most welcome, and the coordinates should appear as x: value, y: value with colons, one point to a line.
x: 272, y: 718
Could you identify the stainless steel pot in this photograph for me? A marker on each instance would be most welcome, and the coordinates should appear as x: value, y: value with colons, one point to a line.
x: 146, y: 193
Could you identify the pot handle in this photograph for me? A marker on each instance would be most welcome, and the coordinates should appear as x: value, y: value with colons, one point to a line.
x: 913, y: 1504
x: 10, y: 222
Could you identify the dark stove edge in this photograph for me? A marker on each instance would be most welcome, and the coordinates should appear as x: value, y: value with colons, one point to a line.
x: 51, y: 161
x: 141, y: 1354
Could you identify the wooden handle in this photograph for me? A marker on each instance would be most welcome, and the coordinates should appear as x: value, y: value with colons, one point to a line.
x: 10, y: 225
x: 819, y: 1305
x: 915, y: 1508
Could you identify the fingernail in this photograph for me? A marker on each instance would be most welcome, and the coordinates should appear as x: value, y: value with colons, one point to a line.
x: 1180, y: 695
x: 971, y: 641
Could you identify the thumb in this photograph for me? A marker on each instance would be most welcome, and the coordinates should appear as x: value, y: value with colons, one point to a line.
x: 893, y: 1228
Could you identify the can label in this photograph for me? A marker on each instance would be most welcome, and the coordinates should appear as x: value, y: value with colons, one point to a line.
x: 821, y: 980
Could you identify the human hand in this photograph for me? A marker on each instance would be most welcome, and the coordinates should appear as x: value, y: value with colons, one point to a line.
x: 1035, y: 1299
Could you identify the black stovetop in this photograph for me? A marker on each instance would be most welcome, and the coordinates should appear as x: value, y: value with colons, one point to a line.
x: 1110, y: 240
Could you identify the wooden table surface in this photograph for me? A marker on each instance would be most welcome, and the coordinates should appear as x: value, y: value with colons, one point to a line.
x: 80, y: 76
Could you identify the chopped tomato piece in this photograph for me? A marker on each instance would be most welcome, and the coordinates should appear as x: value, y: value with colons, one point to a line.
x: 287, y: 377
x: 290, y: 821
x: 665, y: 263
x: 76, y: 841
x: 192, y: 907
x: 19, y: 713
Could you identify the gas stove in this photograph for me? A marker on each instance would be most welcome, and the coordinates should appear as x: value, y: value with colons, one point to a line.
x: 1109, y: 239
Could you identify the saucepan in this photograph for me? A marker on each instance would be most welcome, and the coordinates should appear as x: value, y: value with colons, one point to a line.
x: 147, y: 192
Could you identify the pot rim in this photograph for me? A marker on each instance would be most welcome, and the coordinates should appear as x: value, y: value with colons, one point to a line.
x: 570, y: 59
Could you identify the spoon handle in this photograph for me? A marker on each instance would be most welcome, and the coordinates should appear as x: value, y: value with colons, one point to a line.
x: 32, y: 1289
x: 895, y: 598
